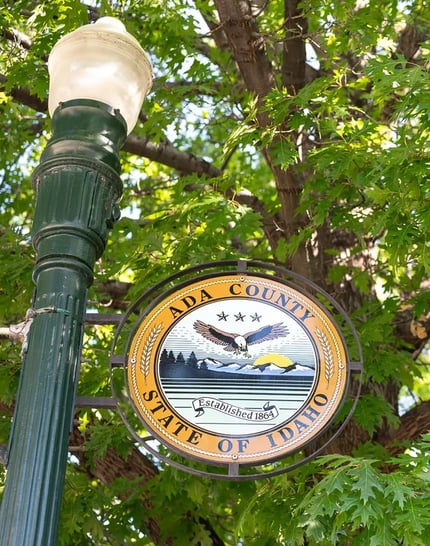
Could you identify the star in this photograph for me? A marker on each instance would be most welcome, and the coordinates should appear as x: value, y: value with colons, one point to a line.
x: 256, y: 317
x: 222, y: 316
x: 240, y: 317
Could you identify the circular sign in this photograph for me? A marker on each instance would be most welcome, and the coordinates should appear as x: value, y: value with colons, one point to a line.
x: 236, y: 368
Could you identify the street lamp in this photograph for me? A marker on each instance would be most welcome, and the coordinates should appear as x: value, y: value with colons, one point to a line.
x: 99, y: 77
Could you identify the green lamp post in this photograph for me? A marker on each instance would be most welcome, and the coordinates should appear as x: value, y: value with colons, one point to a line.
x: 99, y: 77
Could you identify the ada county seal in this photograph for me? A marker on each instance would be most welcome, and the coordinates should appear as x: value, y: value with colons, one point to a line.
x: 236, y: 368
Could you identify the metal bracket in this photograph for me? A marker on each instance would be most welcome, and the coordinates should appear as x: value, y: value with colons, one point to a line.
x: 100, y: 402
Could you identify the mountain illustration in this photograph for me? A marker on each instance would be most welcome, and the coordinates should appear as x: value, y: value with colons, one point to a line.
x: 213, y: 368
x: 269, y: 368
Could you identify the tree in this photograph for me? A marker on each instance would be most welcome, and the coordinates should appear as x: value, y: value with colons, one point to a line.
x: 180, y: 359
x: 192, y: 360
x: 285, y: 131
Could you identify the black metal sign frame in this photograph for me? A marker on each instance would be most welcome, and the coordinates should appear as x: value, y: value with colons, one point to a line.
x: 234, y: 369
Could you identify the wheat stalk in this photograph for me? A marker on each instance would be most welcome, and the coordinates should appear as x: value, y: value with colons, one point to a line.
x: 328, y: 356
x: 147, y: 349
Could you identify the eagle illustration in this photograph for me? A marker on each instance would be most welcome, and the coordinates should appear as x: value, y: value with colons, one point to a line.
x: 239, y: 343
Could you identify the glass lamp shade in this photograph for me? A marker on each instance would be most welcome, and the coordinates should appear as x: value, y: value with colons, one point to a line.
x: 103, y: 62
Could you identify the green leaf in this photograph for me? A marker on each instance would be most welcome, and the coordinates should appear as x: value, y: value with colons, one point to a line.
x: 397, y: 491
x: 368, y: 482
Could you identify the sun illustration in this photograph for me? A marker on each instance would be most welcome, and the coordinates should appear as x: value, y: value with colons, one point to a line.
x: 278, y: 360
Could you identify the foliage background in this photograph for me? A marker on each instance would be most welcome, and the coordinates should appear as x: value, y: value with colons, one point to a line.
x: 285, y: 131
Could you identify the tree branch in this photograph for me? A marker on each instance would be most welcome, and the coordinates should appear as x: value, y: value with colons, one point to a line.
x: 413, y: 424
x: 23, y: 96
x: 184, y: 162
x: 166, y: 154
x: 17, y: 37
x: 294, y: 50
x: 163, y: 153
x: 248, y: 48
x: 112, y: 466
x: 411, y: 36
x: 135, y: 467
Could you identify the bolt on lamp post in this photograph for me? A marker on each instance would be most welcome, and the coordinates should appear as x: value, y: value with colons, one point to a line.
x: 99, y: 77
